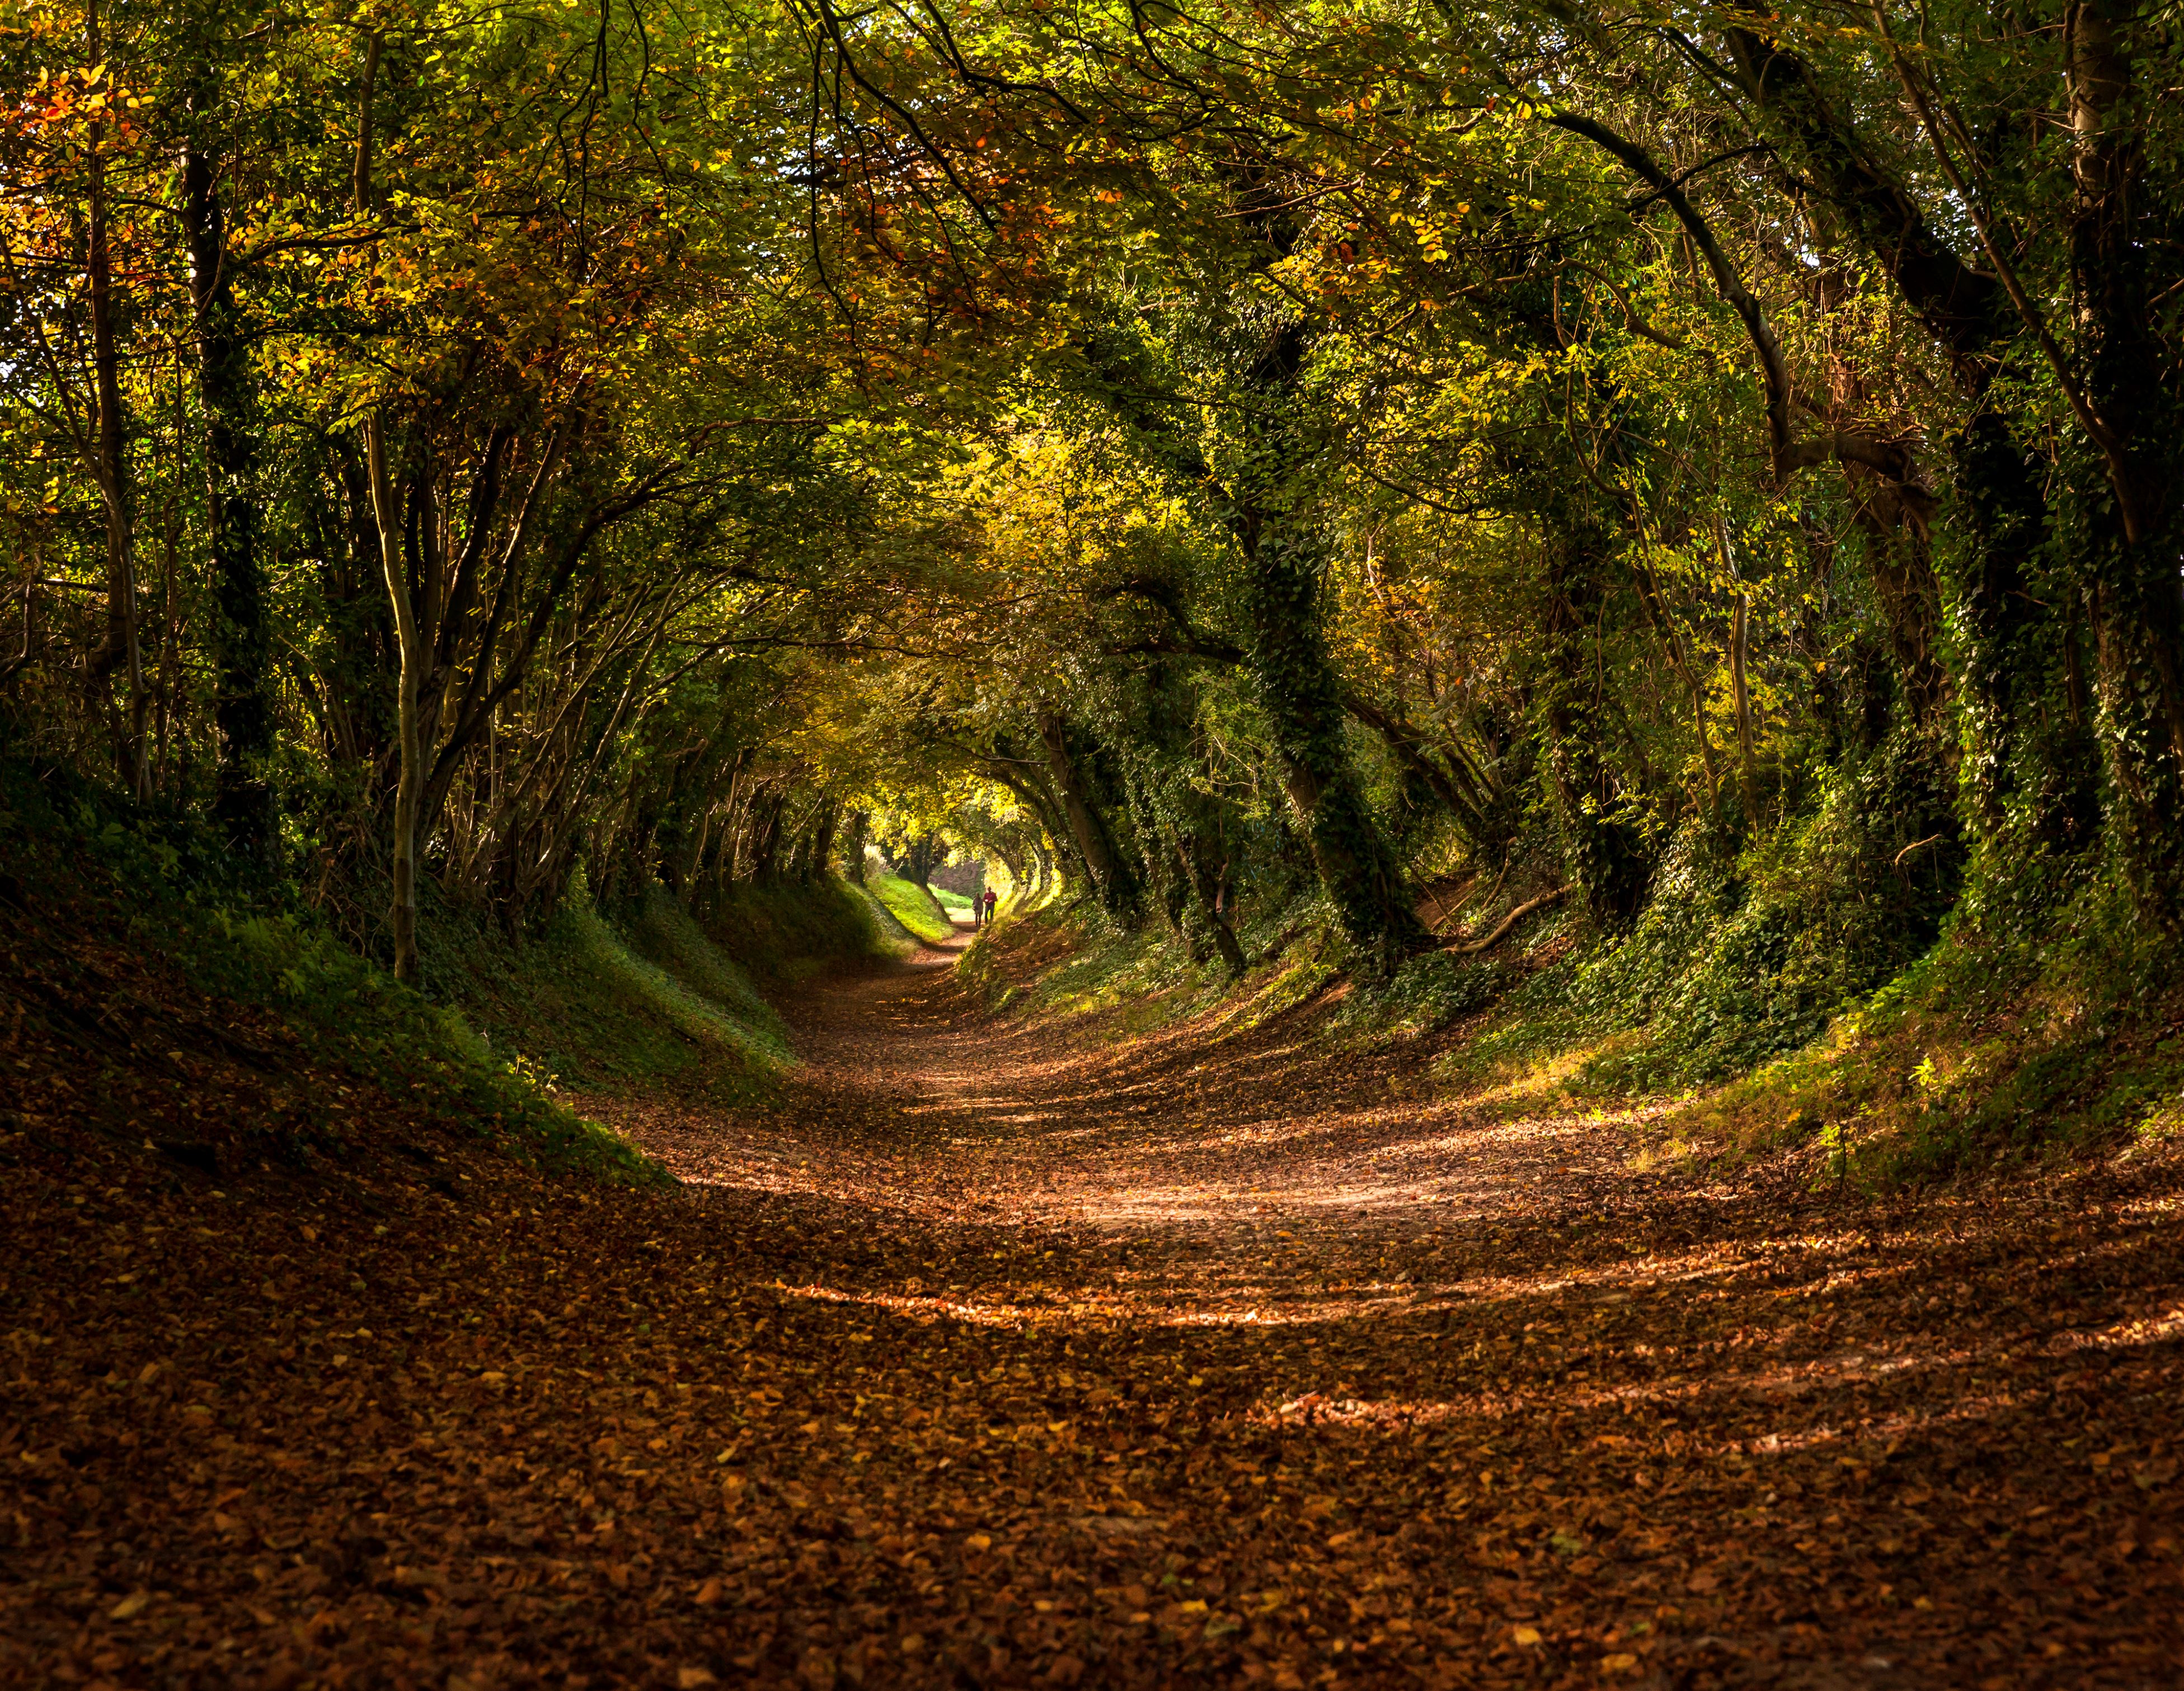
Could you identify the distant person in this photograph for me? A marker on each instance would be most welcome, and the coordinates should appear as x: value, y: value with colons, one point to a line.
x: 987, y: 904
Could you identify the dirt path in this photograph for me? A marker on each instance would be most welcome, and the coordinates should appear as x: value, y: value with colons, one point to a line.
x: 1471, y: 1379
x: 1001, y: 1355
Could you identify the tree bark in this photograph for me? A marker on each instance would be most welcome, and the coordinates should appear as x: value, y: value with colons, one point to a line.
x: 121, y: 648
x: 1116, y: 886
x: 242, y: 711
x: 410, y: 768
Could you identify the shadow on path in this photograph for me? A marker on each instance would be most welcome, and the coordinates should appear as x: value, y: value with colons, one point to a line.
x: 997, y: 1353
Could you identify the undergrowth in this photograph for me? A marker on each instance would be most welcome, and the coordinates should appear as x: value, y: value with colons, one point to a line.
x: 2003, y: 1042
x: 641, y: 996
x: 1806, y: 991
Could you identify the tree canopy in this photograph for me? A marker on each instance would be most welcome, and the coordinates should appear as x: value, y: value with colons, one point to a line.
x: 1184, y: 454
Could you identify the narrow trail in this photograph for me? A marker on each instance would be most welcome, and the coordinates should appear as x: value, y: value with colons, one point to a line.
x: 1001, y: 1353
x: 1483, y: 1371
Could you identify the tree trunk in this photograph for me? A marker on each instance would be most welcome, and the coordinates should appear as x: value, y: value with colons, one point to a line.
x: 1739, y: 684
x: 1111, y: 879
x: 1288, y: 660
x: 766, y: 843
x: 1298, y: 687
x: 1204, y: 876
x: 1156, y: 856
x: 2125, y: 536
x: 818, y: 867
x: 411, y: 776
x: 854, y: 844
x: 242, y: 641
x: 1899, y: 565
x: 121, y: 648
x: 2025, y: 768
x: 924, y: 854
x: 1604, y: 854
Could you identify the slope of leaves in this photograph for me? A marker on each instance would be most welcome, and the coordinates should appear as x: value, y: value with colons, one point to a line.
x: 998, y: 1355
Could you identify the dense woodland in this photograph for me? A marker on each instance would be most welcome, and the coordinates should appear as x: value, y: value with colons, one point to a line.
x: 1561, y: 627
x: 1702, y: 476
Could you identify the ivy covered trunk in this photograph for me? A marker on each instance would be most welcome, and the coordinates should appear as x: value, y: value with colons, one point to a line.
x: 1603, y: 853
x: 242, y: 642
x: 1117, y: 887
x: 1296, y: 683
x: 854, y: 842
x: 2031, y: 770
x: 2122, y: 531
x: 1299, y: 690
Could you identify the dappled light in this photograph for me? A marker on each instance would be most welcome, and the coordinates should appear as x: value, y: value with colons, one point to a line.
x: 1503, y: 1312
x: 1315, y: 845
x: 987, y: 1341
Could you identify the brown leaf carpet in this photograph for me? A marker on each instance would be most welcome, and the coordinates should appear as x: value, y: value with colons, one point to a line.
x: 1005, y: 1355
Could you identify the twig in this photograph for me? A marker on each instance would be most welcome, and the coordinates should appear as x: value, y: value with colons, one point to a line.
x: 1472, y: 947
x: 1930, y: 839
x: 1442, y: 914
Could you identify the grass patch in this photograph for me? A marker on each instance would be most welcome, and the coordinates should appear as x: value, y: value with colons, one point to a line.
x: 1070, y: 960
x: 909, y: 905
x: 101, y: 882
x: 643, y: 997
x: 353, y: 1015
x: 791, y: 930
x: 649, y: 1001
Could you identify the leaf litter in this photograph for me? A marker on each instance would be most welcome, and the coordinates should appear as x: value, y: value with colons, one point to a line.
x: 997, y: 1355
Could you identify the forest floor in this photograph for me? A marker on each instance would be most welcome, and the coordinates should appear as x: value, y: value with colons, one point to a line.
x: 1006, y: 1353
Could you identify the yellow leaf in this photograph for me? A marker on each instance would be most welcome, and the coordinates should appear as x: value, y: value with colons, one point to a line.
x: 979, y: 1541
x: 133, y: 1604
x: 1622, y: 1662
x: 1527, y: 1635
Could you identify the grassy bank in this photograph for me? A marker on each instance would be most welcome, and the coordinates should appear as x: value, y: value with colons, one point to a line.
x: 1706, y: 1033
x: 173, y: 1002
x: 790, y: 930
x: 910, y: 906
